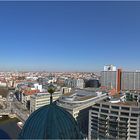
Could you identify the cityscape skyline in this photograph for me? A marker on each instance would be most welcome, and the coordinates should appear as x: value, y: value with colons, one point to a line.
x: 69, y: 36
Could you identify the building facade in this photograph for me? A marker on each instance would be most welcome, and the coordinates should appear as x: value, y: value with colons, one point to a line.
x: 40, y: 99
x: 120, y: 80
x: 108, y: 79
x: 74, y: 83
x: 114, y: 121
x: 130, y: 80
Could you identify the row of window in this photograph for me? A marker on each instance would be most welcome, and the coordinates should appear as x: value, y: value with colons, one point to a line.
x: 115, y: 112
x: 113, y: 107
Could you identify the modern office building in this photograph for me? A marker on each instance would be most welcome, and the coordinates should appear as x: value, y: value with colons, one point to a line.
x: 108, y: 79
x: 78, y: 104
x: 120, y: 80
x: 130, y: 80
x: 117, y: 118
x: 40, y: 99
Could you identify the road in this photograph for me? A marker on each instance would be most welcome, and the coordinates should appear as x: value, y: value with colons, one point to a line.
x: 16, y: 107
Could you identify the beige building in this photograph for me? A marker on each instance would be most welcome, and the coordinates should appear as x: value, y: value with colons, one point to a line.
x: 40, y: 99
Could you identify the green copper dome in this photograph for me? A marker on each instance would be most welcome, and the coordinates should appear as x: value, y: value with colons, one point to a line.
x: 50, y: 122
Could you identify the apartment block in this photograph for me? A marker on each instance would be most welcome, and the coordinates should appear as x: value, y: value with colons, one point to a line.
x: 115, y: 119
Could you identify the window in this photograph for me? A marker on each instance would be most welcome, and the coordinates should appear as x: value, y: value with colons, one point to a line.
x: 114, y: 112
x: 105, y: 106
x: 113, y: 117
x: 125, y: 108
x: 94, y: 117
x: 134, y: 115
x: 123, y: 119
x: 102, y: 115
x: 104, y: 111
x: 124, y: 114
x: 94, y: 113
x: 97, y: 105
x: 95, y: 109
x: 133, y: 136
x: 115, y: 107
x: 133, y: 124
x: 134, y: 128
x: 133, y: 119
x: 133, y: 132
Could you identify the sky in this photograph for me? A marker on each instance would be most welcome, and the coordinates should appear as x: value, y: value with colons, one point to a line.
x: 69, y: 36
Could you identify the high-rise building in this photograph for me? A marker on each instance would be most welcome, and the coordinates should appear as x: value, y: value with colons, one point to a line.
x: 115, y: 119
x: 130, y: 80
x: 78, y: 104
x: 108, y: 79
x: 120, y: 80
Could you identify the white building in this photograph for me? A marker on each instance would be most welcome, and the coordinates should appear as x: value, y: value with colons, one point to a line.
x: 109, y: 68
x: 65, y: 90
x: 78, y: 104
x: 40, y: 99
x: 38, y: 87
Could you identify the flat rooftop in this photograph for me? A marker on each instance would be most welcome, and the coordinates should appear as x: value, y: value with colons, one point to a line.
x: 119, y: 99
x: 80, y: 95
x: 128, y: 103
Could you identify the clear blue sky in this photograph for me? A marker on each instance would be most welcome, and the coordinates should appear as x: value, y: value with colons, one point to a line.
x: 69, y: 36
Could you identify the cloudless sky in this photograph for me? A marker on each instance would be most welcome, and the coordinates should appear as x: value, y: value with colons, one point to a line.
x: 69, y: 36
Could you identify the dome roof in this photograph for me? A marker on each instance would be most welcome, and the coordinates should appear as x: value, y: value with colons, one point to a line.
x: 3, y: 135
x: 50, y: 122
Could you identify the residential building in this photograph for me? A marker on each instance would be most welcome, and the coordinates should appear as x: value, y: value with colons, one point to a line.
x: 117, y: 118
x: 130, y: 80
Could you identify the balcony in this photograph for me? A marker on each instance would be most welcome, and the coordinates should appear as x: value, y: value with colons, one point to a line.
x: 123, y: 130
x: 122, y: 137
x: 102, y: 127
x: 113, y: 129
x: 113, y: 120
x: 102, y: 119
x: 96, y: 121
x: 103, y: 122
x: 113, y: 137
x: 113, y: 123
x: 102, y: 131
x: 102, y: 136
x: 103, y: 116
x: 122, y: 134
x: 123, y: 125
x: 94, y: 124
